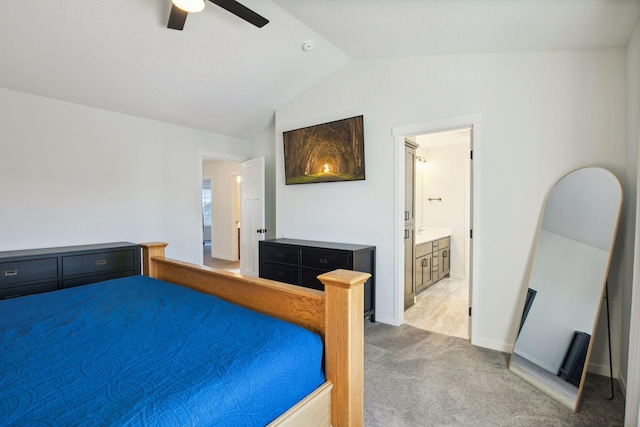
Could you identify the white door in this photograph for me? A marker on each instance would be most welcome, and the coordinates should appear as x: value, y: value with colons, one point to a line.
x: 252, y: 224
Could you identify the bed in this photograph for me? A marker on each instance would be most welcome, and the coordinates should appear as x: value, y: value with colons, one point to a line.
x: 143, y: 351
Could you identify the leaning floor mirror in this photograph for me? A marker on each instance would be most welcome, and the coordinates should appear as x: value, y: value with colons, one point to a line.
x: 567, y: 282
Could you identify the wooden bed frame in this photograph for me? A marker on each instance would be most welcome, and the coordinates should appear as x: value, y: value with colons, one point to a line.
x: 335, y: 315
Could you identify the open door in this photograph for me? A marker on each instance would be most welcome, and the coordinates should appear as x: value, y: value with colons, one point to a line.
x: 252, y: 225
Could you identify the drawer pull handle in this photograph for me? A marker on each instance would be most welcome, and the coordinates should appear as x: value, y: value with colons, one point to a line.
x: 101, y: 262
x: 323, y: 260
x: 279, y: 254
x: 9, y: 273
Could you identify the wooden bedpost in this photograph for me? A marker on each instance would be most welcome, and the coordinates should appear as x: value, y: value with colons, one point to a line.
x: 344, y: 343
x: 150, y: 250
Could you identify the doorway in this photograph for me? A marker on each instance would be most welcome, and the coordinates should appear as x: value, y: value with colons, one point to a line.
x: 237, y: 197
x: 474, y: 122
x: 221, y: 214
x: 442, y: 222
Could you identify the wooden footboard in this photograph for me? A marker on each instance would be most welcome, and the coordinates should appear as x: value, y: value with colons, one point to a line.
x: 335, y: 314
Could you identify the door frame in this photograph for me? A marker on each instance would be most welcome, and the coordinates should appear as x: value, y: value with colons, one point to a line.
x: 400, y: 133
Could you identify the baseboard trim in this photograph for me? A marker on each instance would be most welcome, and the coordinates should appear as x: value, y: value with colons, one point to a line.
x: 623, y: 385
x: 492, y: 345
x: 603, y: 370
x: 224, y: 257
x: 387, y: 320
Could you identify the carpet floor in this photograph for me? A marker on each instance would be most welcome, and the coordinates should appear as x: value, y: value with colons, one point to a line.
x: 419, y: 378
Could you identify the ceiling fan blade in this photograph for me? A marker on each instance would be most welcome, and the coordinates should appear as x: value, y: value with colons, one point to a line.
x: 177, y: 18
x: 242, y: 12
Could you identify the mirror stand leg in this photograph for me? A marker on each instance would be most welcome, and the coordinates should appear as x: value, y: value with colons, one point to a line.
x: 606, y: 297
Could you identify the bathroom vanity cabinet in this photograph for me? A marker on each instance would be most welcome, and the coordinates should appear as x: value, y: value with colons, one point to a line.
x: 444, y: 257
x: 410, y: 148
x: 424, y: 266
x: 433, y: 262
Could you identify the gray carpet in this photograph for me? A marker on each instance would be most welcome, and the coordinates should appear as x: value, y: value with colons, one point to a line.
x: 419, y: 378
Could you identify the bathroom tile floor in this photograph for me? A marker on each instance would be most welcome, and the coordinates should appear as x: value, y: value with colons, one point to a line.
x: 442, y: 308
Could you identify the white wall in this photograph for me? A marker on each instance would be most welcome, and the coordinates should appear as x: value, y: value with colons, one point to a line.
x: 225, y: 208
x: 544, y: 114
x: 71, y: 174
x: 630, y: 295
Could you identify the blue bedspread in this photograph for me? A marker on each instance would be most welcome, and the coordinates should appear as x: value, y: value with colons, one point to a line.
x: 141, y: 352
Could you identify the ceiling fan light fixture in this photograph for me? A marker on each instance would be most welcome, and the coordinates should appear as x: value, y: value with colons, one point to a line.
x: 191, y: 6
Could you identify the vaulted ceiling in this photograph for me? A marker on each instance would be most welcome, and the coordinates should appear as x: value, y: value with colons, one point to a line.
x: 225, y: 76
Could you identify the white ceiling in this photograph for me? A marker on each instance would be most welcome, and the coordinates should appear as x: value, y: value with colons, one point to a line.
x: 391, y: 28
x: 225, y: 76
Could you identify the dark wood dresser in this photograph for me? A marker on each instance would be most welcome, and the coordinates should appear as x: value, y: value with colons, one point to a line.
x: 33, y: 271
x: 299, y: 262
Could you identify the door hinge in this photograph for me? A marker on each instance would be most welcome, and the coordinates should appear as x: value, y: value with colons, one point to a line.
x: 469, y: 311
x: 471, y: 154
x: 471, y: 234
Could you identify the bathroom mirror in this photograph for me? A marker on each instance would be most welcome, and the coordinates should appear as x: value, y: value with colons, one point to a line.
x: 566, y: 284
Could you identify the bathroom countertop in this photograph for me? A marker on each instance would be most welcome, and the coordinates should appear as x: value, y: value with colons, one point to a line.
x: 430, y: 236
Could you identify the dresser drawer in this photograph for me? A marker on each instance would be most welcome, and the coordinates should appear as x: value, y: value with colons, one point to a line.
x: 326, y: 260
x: 15, y: 273
x: 98, y: 263
x: 84, y: 280
x: 279, y: 253
x: 310, y: 279
x: 443, y: 243
x: 280, y: 272
x: 28, y: 289
x: 423, y: 249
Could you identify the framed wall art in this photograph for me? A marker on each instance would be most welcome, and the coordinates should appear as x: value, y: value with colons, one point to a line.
x: 326, y: 152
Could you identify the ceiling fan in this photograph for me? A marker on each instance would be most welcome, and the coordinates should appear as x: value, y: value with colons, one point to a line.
x: 180, y: 9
